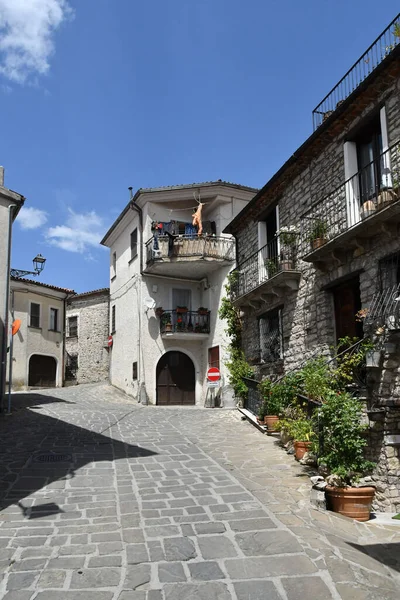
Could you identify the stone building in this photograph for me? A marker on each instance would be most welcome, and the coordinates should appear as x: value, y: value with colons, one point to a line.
x: 320, y: 241
x: 10, y: 204
x: 165, y: 290
x: 87, y: 353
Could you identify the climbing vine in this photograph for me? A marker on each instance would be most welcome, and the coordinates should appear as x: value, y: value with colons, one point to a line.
x: 237, y: 365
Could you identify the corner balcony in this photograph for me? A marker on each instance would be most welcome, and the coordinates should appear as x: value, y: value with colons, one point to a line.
x: 268, y: 274
x: 378, y: 51
x: 365, y: 206
x: 185, y: 325
x: 188, y: 257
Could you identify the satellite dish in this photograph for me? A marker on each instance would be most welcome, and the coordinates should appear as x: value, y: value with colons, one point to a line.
x: 149, y: 303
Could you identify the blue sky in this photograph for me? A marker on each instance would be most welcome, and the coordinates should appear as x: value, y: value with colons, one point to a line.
x: 98, y: 95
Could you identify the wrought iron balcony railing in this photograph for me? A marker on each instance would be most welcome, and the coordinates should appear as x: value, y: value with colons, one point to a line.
x: 280, y: 254
x: 188, y: 246
x: 191, y: 321
x: 372, y: 57
x: 365, y: 194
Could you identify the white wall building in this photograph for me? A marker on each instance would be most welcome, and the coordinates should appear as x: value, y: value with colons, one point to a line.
x: 156, y: 256
x: 38, y: 346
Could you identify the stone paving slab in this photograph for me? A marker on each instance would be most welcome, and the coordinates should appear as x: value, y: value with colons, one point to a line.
x: 160, y: 503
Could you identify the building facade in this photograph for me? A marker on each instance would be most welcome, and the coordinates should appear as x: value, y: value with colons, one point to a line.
x: 10, y: 203
x: 87, y: 352
x: 320, y: 242
x: 37, y: 349
x: 166, y: 282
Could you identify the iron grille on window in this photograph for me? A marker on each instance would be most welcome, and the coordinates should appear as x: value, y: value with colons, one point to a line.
x: 270, y: 336
x: 73, y: 327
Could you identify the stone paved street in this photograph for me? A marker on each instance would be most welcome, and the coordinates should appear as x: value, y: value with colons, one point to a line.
x: 156, y: 503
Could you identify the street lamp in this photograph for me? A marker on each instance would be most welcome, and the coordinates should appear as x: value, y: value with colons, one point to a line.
x: 38, y: 265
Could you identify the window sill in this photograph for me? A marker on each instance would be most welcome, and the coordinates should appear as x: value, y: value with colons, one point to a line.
x: 113, y: 332
x: 72, y: 337
x: 113, y: 278
x: 132, y: 259
x: 54, y: 330
x: 34, y: 327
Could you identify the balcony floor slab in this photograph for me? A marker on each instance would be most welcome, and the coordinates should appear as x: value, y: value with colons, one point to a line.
x: 274, y: 287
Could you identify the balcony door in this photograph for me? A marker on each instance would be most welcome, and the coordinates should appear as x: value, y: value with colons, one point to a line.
x: 175, y: 380
x: 347, y: 303
x: 268, y: 244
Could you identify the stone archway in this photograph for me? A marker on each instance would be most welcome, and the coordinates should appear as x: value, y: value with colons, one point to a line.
x: 175, y: 380
x: 42, y: 371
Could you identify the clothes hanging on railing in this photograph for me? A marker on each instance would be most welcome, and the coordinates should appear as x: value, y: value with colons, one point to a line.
x: 190, y: 229
x: 155, y: 242
x: 171, y: 239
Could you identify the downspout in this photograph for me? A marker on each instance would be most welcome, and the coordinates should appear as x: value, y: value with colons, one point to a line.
x: 3, y: 369
x: 142, y: 396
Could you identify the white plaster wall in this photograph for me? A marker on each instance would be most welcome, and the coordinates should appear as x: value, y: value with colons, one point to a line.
x: 30, y: 340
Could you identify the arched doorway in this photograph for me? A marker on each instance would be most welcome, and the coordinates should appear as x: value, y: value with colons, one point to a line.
x: 42, y: 371
x: 175, y: 380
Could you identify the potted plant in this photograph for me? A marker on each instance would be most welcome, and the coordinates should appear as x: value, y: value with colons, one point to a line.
x: 202, y: 310
x: 261, y: 413
x: 302, y: 431
x: 287, y: 237
x: 318, y: 235
x: 273, y: 405
x: 342, y: 453
x: 271, y: 265
x: 367, y: 209
x: 181, y: 309
x: 165, y: 321
x: 159, y: 311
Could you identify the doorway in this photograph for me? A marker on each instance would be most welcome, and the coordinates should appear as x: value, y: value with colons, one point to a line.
x: 175, y: 380
x: 42, y: 371
x: 347, y: 303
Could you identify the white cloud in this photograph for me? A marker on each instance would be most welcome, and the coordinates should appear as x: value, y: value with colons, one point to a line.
x: 31, y: 218
x: 26, y: 31
x: 80, y: 232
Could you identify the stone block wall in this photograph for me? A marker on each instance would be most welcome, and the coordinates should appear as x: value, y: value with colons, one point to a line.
x: 308, y: 321
x: 92, y: 310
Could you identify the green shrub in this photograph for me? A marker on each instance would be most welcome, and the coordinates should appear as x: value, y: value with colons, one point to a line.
x: 317, y: 378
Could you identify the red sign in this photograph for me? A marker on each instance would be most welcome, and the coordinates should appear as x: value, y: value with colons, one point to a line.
x: 110, y: 341
x: 213, y: 374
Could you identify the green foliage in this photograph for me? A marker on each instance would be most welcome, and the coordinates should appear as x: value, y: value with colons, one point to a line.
x: 316, y: 378
x: 319, y: 230
x: 238, y: 368
x: 348, y: 362
x: 396, y: 29
x: 343, y: 435
x: 272, y: 398
x: 271, y: 264
x: 165, y: 318
x: 302, y: 430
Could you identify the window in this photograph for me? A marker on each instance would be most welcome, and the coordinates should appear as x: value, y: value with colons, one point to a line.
x: 71, y: 366
x: 271, y: 345
x: 114, y: 265
x: 53, y: 319
x: 34, y: 317
x: 134, y: 244
x: 113, y: 319
x: 213, y: 357
x: 389, y: 272
x: 72, y: 326
x: 268, y: 245
x: 134, y: 371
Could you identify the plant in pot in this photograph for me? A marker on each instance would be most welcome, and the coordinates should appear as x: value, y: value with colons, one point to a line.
x: 181, y: 309
x: 302, y: 431
x: 272, y: 401
x: 342, y: 454
x: 271, y: 265
x: 202, y: 310
x: 367, y: 209
x: 318, y: 234
x: 165, y: 322
x: 288, y: 238
x: 316, y: 379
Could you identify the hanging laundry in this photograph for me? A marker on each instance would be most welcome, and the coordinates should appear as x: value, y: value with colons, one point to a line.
x: 171, y: 239
x: 190, y: 230
x: 197, y: 219
x: 155, y: 242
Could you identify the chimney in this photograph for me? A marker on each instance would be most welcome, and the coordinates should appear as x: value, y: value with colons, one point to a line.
x: 2, y: 176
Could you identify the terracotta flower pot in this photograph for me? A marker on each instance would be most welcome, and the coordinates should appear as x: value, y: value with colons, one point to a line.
x: 286, y: 265
x: 269, y: 421
x: 300, y: 448
x: 317, y: 243
x: 351, y: 502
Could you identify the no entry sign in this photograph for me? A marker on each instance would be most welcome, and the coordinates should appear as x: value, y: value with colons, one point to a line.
x: 213, y: 374
x: 110, y: 341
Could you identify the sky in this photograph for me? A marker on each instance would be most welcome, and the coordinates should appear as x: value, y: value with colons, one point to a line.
x: 100, y: 95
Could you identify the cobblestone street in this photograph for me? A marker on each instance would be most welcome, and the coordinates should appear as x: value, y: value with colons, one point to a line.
x: 154, y: 503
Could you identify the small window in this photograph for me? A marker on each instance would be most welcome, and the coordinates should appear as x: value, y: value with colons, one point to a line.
x: 134, y: 371
x: 134, y: 244
x: 271, y: 344
x: 72, y: 326
x: 114, y: 265
x: 113, y: 329
x: 54, y: 319
x: 34, y: 320
x: 213, y: 357
x: 389, y: 272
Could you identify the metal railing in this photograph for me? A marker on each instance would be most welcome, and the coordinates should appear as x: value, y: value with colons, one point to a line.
x: 191, y: 321
x: 372, y: 57
x: 280, y: 254
x: 184, y: 246
x: 385, y: 308
x: 367, y: 192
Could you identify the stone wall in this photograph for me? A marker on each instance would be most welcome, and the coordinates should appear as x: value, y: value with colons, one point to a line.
x: 92, y: 310
x: 308, y: 320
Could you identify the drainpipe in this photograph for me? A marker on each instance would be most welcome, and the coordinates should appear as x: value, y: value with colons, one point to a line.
x: 142, y: 396
x: 3, y: 369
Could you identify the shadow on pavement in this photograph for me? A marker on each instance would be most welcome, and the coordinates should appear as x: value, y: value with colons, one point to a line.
x: 387, y: 554
x: 31, y: 444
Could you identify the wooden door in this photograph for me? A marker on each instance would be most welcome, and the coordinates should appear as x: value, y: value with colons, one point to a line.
x: 347, y: 303
x: 175, y: 380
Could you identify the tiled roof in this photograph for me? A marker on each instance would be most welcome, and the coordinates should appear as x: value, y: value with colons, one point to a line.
x: 92, y: 292
x: 46, y: 285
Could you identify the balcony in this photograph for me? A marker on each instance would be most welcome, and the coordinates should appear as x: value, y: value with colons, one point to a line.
x: 186, y: 325
x: 267, y: 274
x: 381, y: 48
x: 188, y: 257
x: 364, y: 206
